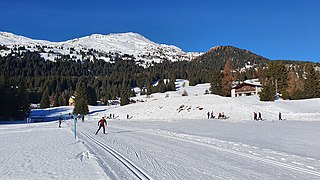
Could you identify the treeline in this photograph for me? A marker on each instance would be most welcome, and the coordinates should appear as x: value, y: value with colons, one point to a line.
x: 53, y: 83
x: 297, y: 80
x: 14, y: 99
x: 27, y: 78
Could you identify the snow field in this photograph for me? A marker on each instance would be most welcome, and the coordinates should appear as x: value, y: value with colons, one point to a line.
x: 168, y: 136
x: 44, y: 151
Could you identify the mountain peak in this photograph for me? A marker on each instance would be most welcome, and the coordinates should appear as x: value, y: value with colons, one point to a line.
x: 142, y: 49
x: 120, y: 36
x: 217, y: 56
x: 10, y: 37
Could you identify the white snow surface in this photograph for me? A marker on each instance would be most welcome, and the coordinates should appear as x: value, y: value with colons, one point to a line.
x: 168, y: 136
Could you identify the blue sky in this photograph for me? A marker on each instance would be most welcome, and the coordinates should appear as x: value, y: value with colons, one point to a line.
x: 274, y: 29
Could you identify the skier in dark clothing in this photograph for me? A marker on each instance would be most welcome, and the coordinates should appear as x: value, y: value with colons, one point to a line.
x: 255, y: 116
x: 60, y: 121
x: 208, y: 115
x: 259, y: 116
x: 212, y: 116
x: 280, y: 116
x: 102, y: 123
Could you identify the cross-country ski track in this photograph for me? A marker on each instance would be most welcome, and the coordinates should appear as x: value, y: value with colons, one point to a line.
x: 131, y: 166
x: 147, y: 153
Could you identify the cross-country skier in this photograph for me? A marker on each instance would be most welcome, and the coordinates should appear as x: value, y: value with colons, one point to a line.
x: 102, y: 123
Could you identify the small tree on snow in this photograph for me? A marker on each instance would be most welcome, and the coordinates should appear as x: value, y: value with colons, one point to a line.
x: 185, y: 93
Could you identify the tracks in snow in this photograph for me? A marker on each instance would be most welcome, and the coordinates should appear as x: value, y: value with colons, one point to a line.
x: 284, y: 160
x: 204, y: 141
x: 137, y: 172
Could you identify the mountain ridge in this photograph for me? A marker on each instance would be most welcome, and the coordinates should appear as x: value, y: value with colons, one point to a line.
x: 141, y: 49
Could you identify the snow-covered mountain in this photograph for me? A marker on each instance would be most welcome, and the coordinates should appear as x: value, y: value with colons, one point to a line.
x: 130, y: 46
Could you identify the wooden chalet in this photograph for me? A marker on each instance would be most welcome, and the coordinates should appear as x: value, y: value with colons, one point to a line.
x: 246, y: 88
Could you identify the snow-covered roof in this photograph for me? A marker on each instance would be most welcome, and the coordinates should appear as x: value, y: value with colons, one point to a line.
x: 250, y: 82
x: 254, y: 82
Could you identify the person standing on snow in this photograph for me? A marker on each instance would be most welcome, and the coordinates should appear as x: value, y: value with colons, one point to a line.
x: 102, y: 123
x: 212, y: 116
x: 255, y: 116
x: 60, y: 121
x: 280, y: 116
x: 259, y: 116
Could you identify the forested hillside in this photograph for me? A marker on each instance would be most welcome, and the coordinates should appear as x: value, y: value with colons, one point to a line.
x: 26, y: 77
x: 218, y: 56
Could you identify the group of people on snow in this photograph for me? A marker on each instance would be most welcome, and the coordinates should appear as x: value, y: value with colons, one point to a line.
x: 220, y: 115
x: 111, y: 116
x: 257, y: 116
x: 210, y: 115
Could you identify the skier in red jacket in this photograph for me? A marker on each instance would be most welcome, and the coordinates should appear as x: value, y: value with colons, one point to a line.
x: 102, y: 123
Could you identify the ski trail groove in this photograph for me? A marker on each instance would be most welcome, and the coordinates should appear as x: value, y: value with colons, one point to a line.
x: 139, y: 173
x: 231, y: 151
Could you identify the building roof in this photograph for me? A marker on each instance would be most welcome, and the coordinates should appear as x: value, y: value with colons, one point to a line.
x: 249, y: 82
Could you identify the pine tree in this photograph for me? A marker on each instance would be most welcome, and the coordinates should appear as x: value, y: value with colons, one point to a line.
x: 149, y: 88
x: 310, y: 83
x: 161, y: 86
x: 81, y: 90
x: 277, y: 73
x: 318, y: 86
x: 215, y: 85
x: 55, y: 100
x: 124, y: 97
x: 124, y: 93
x: 3, y: 97
x: 184, y: 93
x: 45, y: 103
x: 295, y: 85
x: 23, y: 99
x: 267, y: 93
x: 227, y: 79
x: 81, y: 106
x: 92, y: 96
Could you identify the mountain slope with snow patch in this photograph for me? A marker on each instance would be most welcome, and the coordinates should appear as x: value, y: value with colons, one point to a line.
x: 132, y: 45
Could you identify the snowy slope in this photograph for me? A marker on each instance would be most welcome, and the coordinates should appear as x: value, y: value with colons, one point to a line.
x: 165, y: 140
x: 173, y: 106
x: 141, y: 48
